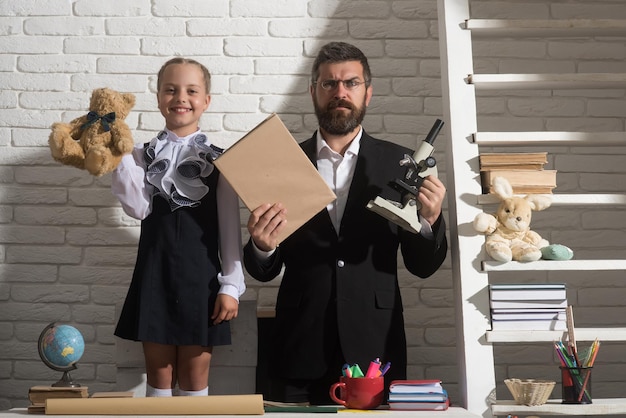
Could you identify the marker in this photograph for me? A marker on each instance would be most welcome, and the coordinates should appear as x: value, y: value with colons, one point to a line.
x: 373, y: 369
x: 356, y: 371
x: 346, y: 370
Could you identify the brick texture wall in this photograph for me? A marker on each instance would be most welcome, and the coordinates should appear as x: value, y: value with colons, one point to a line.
x: 67, y: 249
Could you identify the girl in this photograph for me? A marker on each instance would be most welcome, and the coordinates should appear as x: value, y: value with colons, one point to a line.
x: 188, y: 276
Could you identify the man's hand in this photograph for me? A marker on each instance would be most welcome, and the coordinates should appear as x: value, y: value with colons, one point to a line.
x: 431, y: 195
x: 226, y: 308
x: 265, y: 223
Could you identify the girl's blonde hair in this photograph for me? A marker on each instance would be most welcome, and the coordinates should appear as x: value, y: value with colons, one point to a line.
x: 180, y: 60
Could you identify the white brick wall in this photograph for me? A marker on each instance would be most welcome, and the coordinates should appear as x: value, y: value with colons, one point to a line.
x: 67, y: 249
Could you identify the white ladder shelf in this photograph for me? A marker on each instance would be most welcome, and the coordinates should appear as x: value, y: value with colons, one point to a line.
x: 470, y: 271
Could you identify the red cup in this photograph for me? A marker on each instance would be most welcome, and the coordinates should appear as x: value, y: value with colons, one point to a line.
x: 358, y: 392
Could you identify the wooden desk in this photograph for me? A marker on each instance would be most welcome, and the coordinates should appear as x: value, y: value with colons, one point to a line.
x: 452, y: 412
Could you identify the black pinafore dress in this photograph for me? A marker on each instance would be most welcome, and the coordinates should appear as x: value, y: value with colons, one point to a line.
x: 174, y: 286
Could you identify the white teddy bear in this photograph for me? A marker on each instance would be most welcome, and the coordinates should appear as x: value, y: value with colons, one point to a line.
x: 508, y: 232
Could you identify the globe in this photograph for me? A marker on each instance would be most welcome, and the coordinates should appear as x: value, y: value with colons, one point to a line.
x: 60, y: 347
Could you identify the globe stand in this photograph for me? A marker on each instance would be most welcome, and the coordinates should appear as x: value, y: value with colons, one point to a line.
x: 66, y: 381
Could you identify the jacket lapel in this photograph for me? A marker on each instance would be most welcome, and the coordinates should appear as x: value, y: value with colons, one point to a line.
x: 359, y: 179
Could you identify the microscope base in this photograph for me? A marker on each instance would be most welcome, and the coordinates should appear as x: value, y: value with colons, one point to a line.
x: 405, y: 217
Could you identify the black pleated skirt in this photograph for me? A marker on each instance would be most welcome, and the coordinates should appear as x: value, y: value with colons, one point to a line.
x: 174, y: 286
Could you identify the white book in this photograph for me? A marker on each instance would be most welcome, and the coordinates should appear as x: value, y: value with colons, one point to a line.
x: 527, y: 304
x: 523, y: 286
x: 416, y: 386
x: 418, y: 396
x: 528, y: 292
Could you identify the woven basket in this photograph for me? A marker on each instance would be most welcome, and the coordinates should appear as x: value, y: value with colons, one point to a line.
x: 530, y: 391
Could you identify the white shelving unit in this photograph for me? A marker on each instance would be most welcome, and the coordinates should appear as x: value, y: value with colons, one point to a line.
x: 470, y: 268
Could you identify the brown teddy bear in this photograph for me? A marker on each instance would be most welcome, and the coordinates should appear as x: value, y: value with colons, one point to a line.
x: 508, y: 232
x: 96, y: 141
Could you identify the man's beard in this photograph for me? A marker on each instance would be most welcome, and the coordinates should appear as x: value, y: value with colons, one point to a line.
x: 337, y: 122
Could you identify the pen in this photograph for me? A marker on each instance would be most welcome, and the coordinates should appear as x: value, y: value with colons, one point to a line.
x: 384, y: 369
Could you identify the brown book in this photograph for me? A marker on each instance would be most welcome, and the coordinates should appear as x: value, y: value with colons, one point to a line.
x: 267, y: 165
x: 129, y: 394
x: 522, y: 181
x: 513, y: 166
x: 520, y: 190
x: 37, y: 409
x: 38, y: 394
x: 520, y: 160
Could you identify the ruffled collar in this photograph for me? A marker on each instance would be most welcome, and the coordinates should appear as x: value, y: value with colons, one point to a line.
x: 177, y: 166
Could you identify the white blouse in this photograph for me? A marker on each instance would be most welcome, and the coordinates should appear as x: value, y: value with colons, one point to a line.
x: 173, y: 171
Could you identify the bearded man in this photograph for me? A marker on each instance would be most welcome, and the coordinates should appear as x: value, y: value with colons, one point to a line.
x: 339, y: 300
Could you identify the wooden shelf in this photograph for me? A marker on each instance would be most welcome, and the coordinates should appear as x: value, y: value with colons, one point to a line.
x: 582, y: 334
x: 545, y: 28
x: 513, y: 139
x: 562, y: 265
x: 574, y: 81
x: 590, y: 199
x: 615, y: 406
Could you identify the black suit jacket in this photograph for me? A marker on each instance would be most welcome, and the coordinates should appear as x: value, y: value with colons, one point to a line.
x: 341, y: 289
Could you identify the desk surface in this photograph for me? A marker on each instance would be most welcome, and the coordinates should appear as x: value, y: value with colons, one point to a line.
x: 452, y: 412
x: 615, y: 406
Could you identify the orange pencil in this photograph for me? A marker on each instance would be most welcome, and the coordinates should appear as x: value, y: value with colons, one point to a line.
x: 591, y: 360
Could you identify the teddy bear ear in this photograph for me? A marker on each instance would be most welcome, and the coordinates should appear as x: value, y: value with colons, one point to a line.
x: 129, y: 99
x: 502, y: 187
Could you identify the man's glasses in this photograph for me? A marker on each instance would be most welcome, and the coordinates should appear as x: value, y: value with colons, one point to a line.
x: 330, y: 85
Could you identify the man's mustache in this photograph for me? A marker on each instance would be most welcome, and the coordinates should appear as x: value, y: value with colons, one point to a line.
x: 334, y: 104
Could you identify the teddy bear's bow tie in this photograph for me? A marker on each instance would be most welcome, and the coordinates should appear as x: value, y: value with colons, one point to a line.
x: 93, y: 117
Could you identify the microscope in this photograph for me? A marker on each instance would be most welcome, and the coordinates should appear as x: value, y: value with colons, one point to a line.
x: 419, y: 166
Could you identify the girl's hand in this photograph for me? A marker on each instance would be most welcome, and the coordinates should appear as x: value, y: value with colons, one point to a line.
x: 226, y: 308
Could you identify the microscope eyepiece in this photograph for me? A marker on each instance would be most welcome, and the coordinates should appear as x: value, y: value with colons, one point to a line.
x: 434, y: 131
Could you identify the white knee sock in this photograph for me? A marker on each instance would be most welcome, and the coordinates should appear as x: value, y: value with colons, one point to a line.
x: 202, y: 392
x: 157, y: 393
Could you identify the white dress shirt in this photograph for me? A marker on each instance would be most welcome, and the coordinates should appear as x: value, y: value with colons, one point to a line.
x: 337, y: 171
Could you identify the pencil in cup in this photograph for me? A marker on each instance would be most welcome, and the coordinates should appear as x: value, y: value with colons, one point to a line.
x: 576, y: 384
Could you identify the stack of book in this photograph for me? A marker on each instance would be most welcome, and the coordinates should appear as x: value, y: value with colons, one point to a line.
x: 524, y: 171
x: 37, y: 396
x: 539, y: 307
x: 415, y: 395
